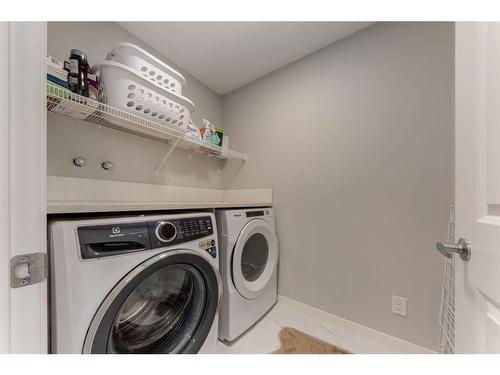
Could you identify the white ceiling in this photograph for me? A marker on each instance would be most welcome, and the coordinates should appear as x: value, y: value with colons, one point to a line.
x: 228, y: 55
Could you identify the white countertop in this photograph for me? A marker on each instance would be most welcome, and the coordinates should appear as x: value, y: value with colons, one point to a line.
x: 77, y: 195
x: 64, y: 207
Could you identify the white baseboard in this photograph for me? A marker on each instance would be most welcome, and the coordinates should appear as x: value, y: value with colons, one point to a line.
x: 383, y: 338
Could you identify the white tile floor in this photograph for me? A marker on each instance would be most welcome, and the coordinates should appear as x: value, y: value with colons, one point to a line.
x: 263, y: 337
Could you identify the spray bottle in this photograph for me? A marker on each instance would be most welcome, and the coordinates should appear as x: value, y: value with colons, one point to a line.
x: 206, y: 131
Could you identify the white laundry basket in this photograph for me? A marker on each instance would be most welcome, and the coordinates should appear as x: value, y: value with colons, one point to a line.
x: 123, y: 88
x: 148, y: 66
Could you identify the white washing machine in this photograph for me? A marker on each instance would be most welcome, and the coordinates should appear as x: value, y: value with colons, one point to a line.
x: 248, y: 264
x: 136, y: 284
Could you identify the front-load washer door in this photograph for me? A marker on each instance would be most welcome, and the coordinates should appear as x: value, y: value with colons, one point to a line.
x: 254, y: 259
x: 165, y: 305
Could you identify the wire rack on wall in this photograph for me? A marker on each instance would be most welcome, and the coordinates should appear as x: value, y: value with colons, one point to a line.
x: 63, y: 102
x: 447, y: 308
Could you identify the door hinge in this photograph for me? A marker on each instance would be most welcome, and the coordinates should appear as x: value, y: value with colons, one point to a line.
x: 28, y: 269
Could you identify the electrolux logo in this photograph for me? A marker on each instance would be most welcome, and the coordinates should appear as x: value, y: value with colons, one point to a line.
x: 116, y: 232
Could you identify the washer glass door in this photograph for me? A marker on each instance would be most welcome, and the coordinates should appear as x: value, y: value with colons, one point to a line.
x: 255, y: 257
x: 168, y: 301
x: 168, y: 307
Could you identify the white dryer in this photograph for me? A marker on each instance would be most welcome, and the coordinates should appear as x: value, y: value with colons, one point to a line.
x: 248, y: 264
x: 136, y: 284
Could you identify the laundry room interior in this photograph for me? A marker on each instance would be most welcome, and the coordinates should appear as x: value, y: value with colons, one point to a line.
x: 239, y: 187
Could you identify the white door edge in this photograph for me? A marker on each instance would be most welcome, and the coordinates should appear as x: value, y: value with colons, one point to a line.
x: 477, y: 186
x: 23, y: 203
x: 4, y: 188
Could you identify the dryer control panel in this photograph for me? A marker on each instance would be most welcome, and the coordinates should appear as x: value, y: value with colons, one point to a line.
x: 256, y: 213
x: 170, y: 232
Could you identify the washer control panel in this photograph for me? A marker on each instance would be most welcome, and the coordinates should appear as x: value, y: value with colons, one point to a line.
x: 195, y: 227
x: 170, y: 232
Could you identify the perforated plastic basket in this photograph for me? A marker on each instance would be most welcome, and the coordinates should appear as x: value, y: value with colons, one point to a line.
x: 122, y: 87
x: 148, y: 66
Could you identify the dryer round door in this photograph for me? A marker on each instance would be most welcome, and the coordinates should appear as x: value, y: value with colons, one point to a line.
x: 255, y: 256
x: 165, y: 305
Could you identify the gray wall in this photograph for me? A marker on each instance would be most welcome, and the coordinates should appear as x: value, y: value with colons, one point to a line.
x: 135, y: 158
x: 357, y: 142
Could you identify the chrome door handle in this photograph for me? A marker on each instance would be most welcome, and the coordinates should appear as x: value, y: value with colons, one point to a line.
x: 462, y: 248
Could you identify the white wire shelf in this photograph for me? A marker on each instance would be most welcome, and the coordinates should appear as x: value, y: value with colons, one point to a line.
x: 63, y: 102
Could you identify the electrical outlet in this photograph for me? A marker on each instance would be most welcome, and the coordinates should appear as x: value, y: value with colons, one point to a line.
x: 399, y: 305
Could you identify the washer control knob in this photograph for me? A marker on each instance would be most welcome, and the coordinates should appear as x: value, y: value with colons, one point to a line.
x: 166, y: 231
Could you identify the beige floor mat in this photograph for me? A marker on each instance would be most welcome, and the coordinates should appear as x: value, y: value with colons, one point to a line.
x: 297, y: 342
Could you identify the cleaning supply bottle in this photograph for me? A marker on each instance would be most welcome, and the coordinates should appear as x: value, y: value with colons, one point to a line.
x: 215, y: 137
x: 78, y: 69
x: 206, y: 131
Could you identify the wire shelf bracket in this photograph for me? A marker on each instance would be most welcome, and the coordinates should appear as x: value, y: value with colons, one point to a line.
x: 167, y: 155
